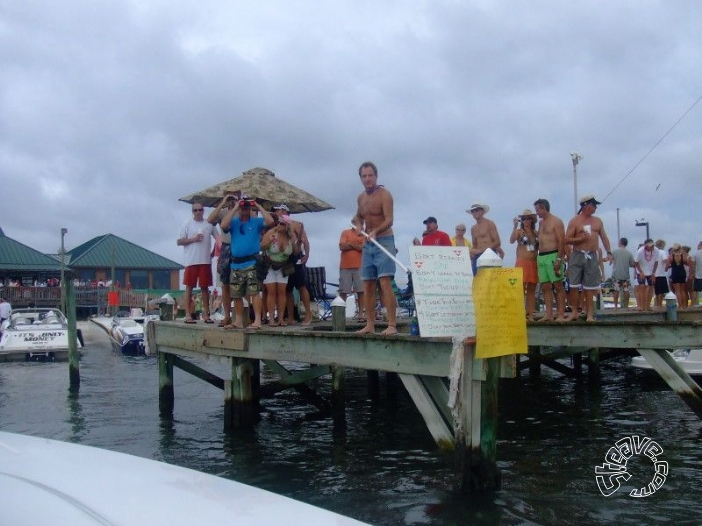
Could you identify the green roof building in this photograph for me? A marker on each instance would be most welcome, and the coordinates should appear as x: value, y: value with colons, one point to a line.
x: 93, y: 261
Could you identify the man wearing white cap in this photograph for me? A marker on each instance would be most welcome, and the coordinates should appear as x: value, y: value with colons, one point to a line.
x: 483, y: 233
x: 584, y: 232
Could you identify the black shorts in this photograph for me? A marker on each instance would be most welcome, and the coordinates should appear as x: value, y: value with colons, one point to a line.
x: 661, y: 285
x: 298, y: 279
x: 224, y: 263
x: 697, y: 285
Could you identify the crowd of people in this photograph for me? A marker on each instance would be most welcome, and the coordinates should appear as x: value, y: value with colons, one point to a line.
x: 263, y: 255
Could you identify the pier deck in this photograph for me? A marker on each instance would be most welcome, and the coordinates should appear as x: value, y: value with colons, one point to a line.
x: 455, y: 393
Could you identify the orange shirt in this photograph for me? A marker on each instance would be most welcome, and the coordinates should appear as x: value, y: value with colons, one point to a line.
x: 351, y: 258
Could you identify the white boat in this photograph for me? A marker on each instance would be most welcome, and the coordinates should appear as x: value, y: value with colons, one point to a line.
x: 127, y: 331
x: 690, y: 360
x: 35, y: 333
x: 49, y: 482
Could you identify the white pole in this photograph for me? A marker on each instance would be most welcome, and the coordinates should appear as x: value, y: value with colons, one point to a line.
x: 381, y: 247
x: 576, y: 158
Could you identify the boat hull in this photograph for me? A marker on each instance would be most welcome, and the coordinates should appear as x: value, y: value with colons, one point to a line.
x: 690, y: 360
x: 50, y: 482
x: 35, y: 334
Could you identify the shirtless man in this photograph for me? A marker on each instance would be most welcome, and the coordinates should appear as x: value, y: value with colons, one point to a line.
x: 375, y: 212
x: 549, y: 262
x: 483, y: 233
x: 584, y: 232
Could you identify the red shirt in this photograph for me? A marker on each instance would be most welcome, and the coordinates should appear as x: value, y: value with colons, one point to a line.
x: 437, y: 238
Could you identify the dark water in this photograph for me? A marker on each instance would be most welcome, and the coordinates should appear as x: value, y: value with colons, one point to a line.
x: 385, y: 469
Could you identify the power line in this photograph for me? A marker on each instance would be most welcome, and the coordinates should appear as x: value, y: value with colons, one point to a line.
x: 652, y: 148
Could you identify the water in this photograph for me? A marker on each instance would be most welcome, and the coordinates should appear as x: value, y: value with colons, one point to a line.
x: 385, y: 469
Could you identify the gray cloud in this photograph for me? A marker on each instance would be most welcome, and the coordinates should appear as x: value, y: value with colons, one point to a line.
x: 110, y: 112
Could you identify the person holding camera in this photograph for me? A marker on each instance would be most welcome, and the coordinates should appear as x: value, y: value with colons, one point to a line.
x: 245, y: 233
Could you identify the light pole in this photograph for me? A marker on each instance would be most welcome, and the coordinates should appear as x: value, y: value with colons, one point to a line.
x: 576, y: 158
x: 641, y: 222
x: 64, y: 231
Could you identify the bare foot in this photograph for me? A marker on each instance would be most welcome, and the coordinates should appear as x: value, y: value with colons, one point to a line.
x: 390, y: 331
x: 232, y: 327
x: 307, y: 321
x: 545, y: 318
x: 368, y: 329
x: 590, y: 319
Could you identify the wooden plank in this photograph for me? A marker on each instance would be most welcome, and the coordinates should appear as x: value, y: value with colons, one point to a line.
x: 634, y: 335
x: 438, y: 390
x: 431, y: 415
x: 198, y: 372
x: 406, y: 354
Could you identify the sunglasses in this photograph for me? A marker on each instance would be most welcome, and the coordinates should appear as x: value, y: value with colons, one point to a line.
x: 198, y: 209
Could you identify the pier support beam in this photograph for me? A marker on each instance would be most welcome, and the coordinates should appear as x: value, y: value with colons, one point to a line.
x: 239, y: 410
x: 475, y: 422
x: 73, y: 354
x: 165, y: 384
x: 338, y: 395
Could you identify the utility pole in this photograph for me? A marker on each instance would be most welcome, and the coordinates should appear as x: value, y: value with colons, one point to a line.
x: 576, y: 158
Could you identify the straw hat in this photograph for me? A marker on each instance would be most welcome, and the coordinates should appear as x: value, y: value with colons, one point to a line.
x: 477, y: 206
x: 527, y: 214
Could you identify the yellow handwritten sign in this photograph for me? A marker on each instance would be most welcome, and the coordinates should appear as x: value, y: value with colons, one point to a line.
x: 500, y: 319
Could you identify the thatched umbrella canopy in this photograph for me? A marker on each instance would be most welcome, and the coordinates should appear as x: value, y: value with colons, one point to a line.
x: 263, y: 186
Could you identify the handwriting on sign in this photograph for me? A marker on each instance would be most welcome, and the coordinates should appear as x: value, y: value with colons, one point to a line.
x: 499, y: 307
x: 442, y: 280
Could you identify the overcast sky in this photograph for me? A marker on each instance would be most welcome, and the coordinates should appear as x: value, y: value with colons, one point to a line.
x: 112, y: 110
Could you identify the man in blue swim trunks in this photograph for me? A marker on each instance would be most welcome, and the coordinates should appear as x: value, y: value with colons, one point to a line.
x: 375, y: 213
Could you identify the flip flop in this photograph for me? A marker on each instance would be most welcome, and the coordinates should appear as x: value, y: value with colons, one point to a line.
x: 232, y: 328
x: 209, y: 320
x: 189, y: 322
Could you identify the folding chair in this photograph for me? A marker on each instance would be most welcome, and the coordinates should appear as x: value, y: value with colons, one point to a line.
x: 316, y: 286
x: 405, y: 298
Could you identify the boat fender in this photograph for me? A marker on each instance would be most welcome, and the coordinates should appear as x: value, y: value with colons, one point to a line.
x: 79, y: 332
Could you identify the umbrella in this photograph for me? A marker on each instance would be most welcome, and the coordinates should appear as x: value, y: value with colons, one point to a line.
x: 263, y: 186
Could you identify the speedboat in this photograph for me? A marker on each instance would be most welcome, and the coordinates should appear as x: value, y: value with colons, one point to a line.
x: 127, y: 331
x: 50, y: 482
x: 690, y: 360
x: 40, y: 333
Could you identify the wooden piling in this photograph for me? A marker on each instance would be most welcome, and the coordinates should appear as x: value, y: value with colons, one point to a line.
x: 338, y: 396
x: 165, y: 384
x: 72, y: 333
x: 239, y: 410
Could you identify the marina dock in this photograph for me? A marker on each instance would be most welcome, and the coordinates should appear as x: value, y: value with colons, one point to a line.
x: 455, y: 393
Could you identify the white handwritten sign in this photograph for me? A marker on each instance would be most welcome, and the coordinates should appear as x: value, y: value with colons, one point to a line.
x: 443, y: 285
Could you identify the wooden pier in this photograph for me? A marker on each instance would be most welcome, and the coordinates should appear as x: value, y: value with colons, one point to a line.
x: 455, y: 393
